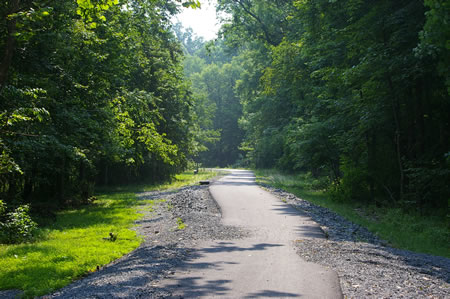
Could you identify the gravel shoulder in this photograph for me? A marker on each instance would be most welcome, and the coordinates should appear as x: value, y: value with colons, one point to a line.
x: 367, y: 268
x: 166, y: 247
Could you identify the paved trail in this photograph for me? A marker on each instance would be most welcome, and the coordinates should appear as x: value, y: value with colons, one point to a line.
x: 263, y: 265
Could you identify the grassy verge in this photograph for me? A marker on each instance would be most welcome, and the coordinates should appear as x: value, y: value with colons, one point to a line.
x: 401, y: 230
x: 183, y: 179
x: 79, y: 240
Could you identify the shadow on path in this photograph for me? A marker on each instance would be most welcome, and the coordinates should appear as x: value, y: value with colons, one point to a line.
x: 357, y: 243
x: 196, y: 286
x: 272, y: 294
x: 135, y: 274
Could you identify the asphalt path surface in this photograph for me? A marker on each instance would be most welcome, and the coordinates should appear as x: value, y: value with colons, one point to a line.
x: 262, y: 265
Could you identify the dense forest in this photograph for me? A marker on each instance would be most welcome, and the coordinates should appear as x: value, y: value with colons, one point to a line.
x: 355, y: 92
x: 213, y: 74
x: 90, y: 92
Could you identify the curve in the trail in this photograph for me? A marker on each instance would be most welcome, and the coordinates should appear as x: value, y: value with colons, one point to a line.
x: 262, y: 265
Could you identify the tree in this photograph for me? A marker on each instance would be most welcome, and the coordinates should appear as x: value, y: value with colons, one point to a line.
x: 354, y: 90
x: 93, y: 92
x: 213, y: 73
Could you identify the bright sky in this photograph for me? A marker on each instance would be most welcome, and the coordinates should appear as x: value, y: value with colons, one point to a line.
x: 202, y: 21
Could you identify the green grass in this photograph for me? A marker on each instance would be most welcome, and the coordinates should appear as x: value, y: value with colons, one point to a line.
x: 401, y: 230
x: 79, y: 240
x: 184, y: 179
x: 180, y: 224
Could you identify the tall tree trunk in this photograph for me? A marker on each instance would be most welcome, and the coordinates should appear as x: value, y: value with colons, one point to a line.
x: 396, y: 115
x: 106, y: 174
x: 420, y: 121
x: 28, y: 187
x: 10, y: 43
x: 84, y: 189
x: 371, y: 146
x: 60, y: 183
x: 395, y: 105
x: 13, y: 180
x: 371, y: 162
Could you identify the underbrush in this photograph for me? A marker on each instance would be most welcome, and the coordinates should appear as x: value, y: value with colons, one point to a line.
x: 183, y: 179
x: 81, y: 240
x: 425, y: 234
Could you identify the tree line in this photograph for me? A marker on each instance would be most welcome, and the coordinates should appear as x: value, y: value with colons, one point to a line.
x: 355, y: 92
x: 91, y: 91
x: 212, y: 70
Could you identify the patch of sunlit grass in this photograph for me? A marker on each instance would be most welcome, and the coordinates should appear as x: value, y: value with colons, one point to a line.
x: 74, y: 245
x: 79, y: 240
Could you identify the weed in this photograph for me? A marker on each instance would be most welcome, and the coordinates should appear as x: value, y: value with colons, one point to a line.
x: 180, y: 224
x: 16, y: 226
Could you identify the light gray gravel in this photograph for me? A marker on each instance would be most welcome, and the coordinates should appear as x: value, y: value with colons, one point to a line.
x: 137, y: 274
x: 367, y: 268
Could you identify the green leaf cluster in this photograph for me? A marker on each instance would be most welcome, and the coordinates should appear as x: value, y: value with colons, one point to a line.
x: 16, y: 226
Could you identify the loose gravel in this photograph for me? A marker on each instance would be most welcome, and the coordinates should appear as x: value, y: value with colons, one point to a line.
x: 366, y: 266
x: 166, y: 246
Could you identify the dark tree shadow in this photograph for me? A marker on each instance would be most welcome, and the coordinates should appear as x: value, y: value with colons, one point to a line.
x: 272, y: 294
x: 135, y: 274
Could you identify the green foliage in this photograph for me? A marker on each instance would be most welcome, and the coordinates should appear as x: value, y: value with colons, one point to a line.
x: 2, y: 208
x: 91, y: 91
x: 180, y: 224
x: 413, y: 231
x: 430, y: 187
x: 215, y: 130
x: 435, y: 36
x: 92, y: 10
x: 352, y: 91
x: 192, y: 4
x: 264, y: 20
x: 352, y: 186
x: 16, y: 226
x: 185, y: 178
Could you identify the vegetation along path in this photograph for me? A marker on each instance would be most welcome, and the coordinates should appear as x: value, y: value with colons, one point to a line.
x: 257, y: 245
x: 194, y: 248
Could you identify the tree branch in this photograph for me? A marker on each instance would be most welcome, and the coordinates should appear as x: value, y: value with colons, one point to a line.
x: 258, y: 19
x: 19, y: 133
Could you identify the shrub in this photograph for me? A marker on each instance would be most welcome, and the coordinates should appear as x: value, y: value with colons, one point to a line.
x: 353, y: 184
x: 16, y: 226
